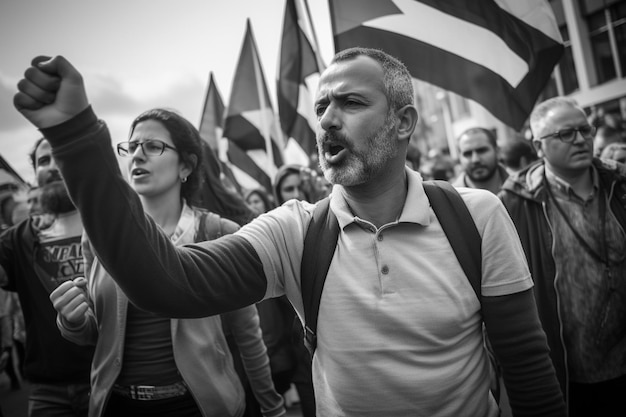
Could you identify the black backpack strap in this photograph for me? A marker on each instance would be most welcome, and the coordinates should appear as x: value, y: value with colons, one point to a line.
x: 320, y: 243
x: 459, y: 227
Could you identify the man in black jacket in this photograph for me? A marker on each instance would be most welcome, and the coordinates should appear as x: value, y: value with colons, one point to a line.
x: 569, y: 210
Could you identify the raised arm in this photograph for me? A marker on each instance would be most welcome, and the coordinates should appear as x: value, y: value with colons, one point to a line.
x: 176, y: 282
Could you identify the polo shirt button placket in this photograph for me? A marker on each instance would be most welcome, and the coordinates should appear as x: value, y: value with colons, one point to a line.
x: 385, y: 270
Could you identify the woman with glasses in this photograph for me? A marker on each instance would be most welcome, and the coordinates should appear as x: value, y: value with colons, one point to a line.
x: 146, y: 365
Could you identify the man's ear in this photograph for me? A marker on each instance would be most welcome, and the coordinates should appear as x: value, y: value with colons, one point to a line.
x: 408, y: 118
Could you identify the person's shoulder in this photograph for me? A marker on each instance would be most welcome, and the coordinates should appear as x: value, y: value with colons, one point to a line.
x: 224, y: 225
x: 25, y: 228
x: 479, y: 202
x: 610, y: 168
x: 289, y: 217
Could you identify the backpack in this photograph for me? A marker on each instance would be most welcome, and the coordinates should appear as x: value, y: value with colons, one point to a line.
x: 458, y: 225
x: 321, y: 240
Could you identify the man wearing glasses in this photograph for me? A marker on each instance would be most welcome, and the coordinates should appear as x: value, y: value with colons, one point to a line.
x: 570, y: 211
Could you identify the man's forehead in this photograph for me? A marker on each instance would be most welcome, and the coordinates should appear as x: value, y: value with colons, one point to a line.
x: 359, y: 73
x: 476, y: 138
x: 43, y: 148
x: 565, y: 114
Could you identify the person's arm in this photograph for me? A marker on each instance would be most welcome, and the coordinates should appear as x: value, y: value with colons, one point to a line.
x: 195, y: 281
x: 520, y: 345
x: 245, y: 327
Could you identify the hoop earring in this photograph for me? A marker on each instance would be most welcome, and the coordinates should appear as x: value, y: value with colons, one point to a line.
x: 183, y: 180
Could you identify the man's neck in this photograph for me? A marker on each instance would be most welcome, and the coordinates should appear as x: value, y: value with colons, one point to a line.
x: 378, y: 202
x: 581, y: 182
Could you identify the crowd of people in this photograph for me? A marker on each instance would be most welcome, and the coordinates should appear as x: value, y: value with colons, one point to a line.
x: 194, y: 301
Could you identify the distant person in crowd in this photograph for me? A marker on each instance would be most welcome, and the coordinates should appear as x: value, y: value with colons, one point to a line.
x: 615, y: 152
x: 149, y: 365
x: 478, y: 155
x: 36, y: 256
x: 605, y: 135
x: 400, y: 328
x: 32, y: 199
x: 570, y: 214
x: 258, y: 200
x: 517, y: 154
x: 293, y: 181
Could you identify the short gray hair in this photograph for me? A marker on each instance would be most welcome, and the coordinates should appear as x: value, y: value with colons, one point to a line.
x: 397, y: 80
x: 541, y: 110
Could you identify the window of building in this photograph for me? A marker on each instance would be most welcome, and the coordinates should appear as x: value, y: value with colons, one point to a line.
x: 606, y: 20
x: 566, y: 82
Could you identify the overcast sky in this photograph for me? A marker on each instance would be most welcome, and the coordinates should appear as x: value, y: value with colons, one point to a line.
x: 137, y: 54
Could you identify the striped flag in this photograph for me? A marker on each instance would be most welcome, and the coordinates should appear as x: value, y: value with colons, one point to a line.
x: 297, y: 78
x: 499, y: 53
x: 212, y: 120
x: 211, y: 128
x: 254, y: 141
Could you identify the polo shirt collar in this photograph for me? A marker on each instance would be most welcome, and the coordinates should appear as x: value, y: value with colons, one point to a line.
x: 416, y: 206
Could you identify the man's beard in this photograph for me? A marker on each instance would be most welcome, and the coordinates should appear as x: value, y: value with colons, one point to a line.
x: 55, y: 199
x: 491, y: 171
x: 360, y: 167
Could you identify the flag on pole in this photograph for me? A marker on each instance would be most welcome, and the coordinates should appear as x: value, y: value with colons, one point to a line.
x: 254, y: 141
x: 297, y: 79
x: 211, y: 128
x: 499, y: 53
x: 212, y: 120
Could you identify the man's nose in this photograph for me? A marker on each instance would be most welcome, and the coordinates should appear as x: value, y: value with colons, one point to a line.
x: 579, y: 138
x: 330, y: 118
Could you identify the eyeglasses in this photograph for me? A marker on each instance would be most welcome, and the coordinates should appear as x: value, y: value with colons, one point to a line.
x: 569, y: 135
x: 151, y: 147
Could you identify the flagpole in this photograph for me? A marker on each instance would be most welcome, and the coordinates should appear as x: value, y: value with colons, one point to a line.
x: 320, y: 63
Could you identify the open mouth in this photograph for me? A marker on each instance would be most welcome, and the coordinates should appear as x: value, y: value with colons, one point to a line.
x: 334, y: 153
x: 138, y: 172
x: 335, y: 149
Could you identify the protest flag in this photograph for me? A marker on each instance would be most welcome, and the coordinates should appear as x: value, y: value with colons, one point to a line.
x: 254, y: 141
x: 498, y: 53
x: 297, y: 78
x: 212, y: 120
